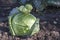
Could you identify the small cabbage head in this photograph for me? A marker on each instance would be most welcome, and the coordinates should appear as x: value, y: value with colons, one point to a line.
x: 23, y: 23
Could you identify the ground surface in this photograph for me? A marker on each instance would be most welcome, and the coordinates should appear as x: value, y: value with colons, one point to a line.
x: 49, y: 24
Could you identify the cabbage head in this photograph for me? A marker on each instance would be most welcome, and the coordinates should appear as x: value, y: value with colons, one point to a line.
x: 22, y: 23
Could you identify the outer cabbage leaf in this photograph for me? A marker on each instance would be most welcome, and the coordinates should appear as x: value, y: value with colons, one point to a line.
x: 22, y: 23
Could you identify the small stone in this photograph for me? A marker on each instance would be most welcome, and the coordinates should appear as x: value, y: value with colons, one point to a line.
x: 47, y: 33
x: 55, y: 22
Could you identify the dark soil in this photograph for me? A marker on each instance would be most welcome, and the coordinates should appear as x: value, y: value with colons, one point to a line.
x: 49, y: 24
